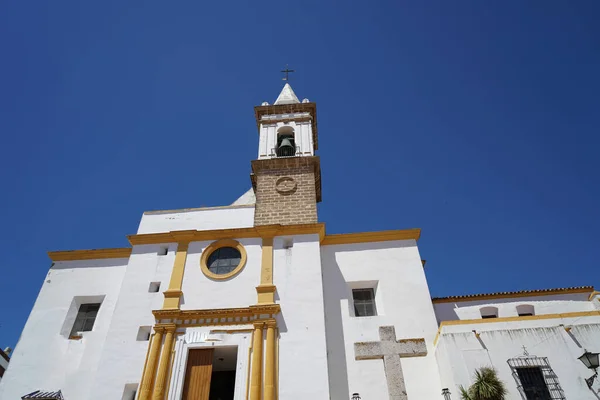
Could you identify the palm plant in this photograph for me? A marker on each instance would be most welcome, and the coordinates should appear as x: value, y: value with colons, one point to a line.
x: 487, y: 386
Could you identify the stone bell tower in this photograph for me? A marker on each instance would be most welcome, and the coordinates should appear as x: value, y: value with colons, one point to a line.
x: 286, y: 177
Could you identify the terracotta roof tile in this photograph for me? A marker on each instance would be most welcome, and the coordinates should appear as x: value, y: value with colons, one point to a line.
x: 521, y: 293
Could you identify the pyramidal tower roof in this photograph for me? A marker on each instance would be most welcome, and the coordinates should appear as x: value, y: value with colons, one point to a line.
x: 287, y: 96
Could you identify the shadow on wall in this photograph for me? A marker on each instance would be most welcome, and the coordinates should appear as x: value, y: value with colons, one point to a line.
x: 335, y: 289
x: 109, y: 262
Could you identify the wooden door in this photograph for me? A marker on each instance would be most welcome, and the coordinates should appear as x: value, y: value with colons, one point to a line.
x: 197, y: 374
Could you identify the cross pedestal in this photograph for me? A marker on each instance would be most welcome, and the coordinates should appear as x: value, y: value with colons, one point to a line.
x: 391, y: 350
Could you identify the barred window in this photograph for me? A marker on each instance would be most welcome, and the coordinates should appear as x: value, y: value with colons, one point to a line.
x: 364, y: 302
x: 535, y: 378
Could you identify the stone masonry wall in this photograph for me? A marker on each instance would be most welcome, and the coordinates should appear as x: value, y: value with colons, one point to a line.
x: 285, y: 191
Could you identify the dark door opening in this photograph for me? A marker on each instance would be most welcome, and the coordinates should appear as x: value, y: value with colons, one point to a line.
x: 222, y: 379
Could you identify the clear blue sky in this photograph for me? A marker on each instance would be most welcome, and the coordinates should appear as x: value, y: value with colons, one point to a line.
x: 476, y: 121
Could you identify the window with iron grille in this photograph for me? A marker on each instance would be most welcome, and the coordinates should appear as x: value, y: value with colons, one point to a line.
x: 364, y: 302
x: 86, y: 316
x: 535, y: 378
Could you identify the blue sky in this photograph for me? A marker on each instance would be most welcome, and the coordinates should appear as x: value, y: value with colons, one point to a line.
x: 476, y: 121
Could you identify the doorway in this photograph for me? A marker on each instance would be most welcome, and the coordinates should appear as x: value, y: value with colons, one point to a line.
x: 210, y: 374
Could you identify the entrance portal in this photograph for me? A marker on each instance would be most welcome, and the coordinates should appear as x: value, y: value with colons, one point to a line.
x: 210, y: 374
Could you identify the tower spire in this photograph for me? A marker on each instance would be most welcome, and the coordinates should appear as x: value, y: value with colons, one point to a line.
x: 287, y: 96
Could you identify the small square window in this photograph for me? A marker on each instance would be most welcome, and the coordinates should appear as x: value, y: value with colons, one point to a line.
x: 143, y: 334
x: 154, y: 287
x: 364, y: 302
x: 163, y: 251
x: 130, y: 391
x: 86, y: 316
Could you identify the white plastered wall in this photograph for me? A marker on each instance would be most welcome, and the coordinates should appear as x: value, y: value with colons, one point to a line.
x: 202, y: 292
x: 227, y: 217
x: 123, y: 357
x: 552, y: 304
x: 403, y: 301
x: 302, y: 348
x: 46, y: 359
x: 459, y: 351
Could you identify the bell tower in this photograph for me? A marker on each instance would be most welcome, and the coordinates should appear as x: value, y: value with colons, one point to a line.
x: 286, y: 176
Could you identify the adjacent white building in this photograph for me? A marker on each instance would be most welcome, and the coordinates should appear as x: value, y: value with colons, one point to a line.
x: 256, y: 301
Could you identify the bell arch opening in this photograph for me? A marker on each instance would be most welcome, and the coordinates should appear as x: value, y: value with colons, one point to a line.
x: 286, y: 142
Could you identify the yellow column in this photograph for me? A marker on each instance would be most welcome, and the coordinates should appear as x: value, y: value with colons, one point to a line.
x: 256, y: 379
x: 173, y: 294
x: 270, y: 362
x: 165, y: 359
x: 150, y: 371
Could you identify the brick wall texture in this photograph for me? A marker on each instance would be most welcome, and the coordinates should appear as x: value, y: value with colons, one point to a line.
x: 288, y: 201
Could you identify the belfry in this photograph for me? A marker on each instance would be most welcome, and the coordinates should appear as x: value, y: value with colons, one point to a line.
x: 255, y: 300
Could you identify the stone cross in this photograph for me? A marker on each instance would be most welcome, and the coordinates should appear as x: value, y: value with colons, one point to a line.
x: 391, y: 350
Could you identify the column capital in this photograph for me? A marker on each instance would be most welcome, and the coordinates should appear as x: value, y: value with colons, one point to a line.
x: 268, y: 231
x: 162, y: 328
x: 271, y: 323
x: 183, y: 238
x: 259, y: 324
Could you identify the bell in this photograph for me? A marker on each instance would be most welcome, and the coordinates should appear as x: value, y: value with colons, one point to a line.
x: 286, y: 149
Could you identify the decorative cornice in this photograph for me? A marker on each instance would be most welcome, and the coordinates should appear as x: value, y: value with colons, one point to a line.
x: 218, y: 313
x: 265, y: 231
x: 93, y: 254
x: 237, y: 233
x: 367, y: 237
x: 507, y: 295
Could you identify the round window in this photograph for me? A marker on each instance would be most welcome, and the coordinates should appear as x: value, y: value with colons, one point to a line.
x: 224, y: 260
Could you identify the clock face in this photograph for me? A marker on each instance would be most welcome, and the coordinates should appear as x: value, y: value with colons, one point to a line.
x: 286, y: 185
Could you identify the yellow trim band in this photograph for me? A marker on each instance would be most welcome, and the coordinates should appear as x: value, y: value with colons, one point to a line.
x: 238, y: 233
x: 217, y: 245
x: 368, y: 237
x: 523, y: 318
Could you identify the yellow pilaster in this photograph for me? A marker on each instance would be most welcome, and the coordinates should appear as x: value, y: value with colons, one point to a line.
x: 163, y: 368
x: 270, y: 362
x: 173, y: 293
x: 150, y: 370
x: 266, y: 289
x: 256, y: 378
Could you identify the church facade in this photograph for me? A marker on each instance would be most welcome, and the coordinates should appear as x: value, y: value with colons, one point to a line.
x: 255, y: 300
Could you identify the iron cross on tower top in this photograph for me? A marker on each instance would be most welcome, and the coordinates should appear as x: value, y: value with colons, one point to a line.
x: 286, y: 71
